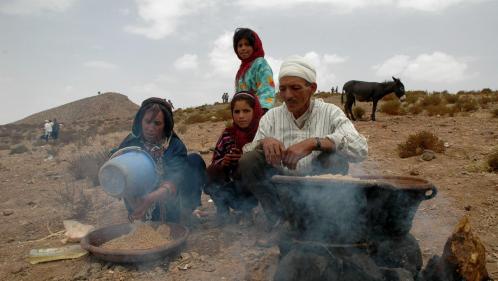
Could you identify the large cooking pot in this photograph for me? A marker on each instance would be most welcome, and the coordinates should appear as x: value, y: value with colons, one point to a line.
x: 351, y: 210
x: 93, y: 240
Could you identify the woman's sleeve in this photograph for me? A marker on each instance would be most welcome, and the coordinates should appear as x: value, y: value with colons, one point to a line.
x: 175, y: 162
x: 215, y: 169
x: 265, y: 86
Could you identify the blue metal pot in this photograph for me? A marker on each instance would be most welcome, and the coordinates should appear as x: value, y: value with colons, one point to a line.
x: 129, y: 172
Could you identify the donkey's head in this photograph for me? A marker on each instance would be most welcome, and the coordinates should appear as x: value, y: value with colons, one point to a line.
x: 399, y: 89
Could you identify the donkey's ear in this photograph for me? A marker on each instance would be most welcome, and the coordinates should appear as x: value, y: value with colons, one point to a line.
x: 395, y: 80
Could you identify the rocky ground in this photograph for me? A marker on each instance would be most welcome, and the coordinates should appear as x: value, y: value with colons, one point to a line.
x: 34, y: 190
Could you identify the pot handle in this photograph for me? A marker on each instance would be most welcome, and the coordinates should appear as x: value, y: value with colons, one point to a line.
x: 430, y: 193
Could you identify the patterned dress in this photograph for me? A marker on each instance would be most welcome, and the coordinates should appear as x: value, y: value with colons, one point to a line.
x: 259, y: 81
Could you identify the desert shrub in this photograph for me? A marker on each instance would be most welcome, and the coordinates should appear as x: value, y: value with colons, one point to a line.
x: 197, y: 118
x: 492, y: 160
x: 358, y: 112
x: 434, y: 99
x: 486, y: 91
x: 449, y: 98
x: 19, y: 149
x: 392, y: 107
x: 440, y: 109
x: 494, y: 113
x: 389, y: 97
x: 416, y: 143
x: 483, y: 101
x: 73, y: 198
x: 222, y: 114
x: 182, y: 128
x: 466, y: 104
x: 415, y: 109
x: 412, y: 97
x: 88, y: 165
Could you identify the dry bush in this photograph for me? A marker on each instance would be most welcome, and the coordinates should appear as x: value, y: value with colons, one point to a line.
x: 19, y: 149
x: 434, y: 99
x: 494, y: 113
x: 358, y: 112
x: 492, y: 160
x: 413, y: 96
x: 392, y: 107
x: 466, y: 104
x: 223, y: 114
x: 486, y: 91
x: 441, y: 110
x: 483, y: 101
x: 182, y: 128
x: 322, y: 95
x: 389, y: 97
x: 415, y: 109
x: 73, y: 198
x: 416, y: 143
x: 197, y: 118
x: 450, y: 98
x: 87, y: 165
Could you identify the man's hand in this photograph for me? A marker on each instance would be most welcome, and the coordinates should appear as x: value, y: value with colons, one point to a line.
x: 140, y: 209
x: 274, y: 150
x: 296, y: 152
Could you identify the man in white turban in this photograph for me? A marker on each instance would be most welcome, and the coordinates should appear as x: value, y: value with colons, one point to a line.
x: 302, y: 137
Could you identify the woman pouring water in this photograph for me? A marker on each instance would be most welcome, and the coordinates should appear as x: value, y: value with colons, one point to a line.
x: 180, y: 177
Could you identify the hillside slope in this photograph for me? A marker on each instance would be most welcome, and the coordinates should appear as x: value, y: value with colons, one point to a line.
x: 105, y: 106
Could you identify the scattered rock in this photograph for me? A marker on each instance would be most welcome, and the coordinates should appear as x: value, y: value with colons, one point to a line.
x: 446, y: 144
x: 31, y: 204
x: 414, y: 172
x: 468, y: 208
x: 17, y: 267
x: 428, y: 155
x: 7, y: 212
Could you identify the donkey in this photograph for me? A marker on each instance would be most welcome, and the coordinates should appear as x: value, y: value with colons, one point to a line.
x: 369, y: 91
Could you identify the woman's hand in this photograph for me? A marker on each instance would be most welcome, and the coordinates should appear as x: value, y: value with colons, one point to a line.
x: 165, y: 191
x: 231, y: 158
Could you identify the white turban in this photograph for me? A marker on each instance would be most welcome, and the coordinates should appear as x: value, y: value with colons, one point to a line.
x: 299, y: 67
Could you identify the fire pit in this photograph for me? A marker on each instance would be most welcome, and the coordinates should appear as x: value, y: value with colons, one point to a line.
x: 334, y: 218
x: 92, y: 242
x: 351, y: 210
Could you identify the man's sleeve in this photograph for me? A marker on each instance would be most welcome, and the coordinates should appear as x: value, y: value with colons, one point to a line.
x: 349, y: 143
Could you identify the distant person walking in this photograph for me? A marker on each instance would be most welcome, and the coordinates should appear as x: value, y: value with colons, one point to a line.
x: 55, y: 129
x: 48, y: 130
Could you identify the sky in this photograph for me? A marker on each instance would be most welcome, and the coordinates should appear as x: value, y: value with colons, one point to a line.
x: 56, y: 51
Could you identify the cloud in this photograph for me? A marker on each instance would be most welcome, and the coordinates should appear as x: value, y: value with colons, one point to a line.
x: 27, y: 7
x: 333, y: 59
x: 161, y: 18
x: 222, y: 58
x: 350, y: 5
x: 437, y: 67
x: 186, y: 62
x: 100, y: 64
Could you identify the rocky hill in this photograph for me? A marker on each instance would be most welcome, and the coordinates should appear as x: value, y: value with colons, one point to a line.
x: 102, y: 107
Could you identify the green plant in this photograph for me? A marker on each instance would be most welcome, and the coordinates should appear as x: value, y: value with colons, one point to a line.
x: 416, y: 143
x: 391, y: 107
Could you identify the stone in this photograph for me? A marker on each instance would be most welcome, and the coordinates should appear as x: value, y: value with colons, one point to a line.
x: 17, y: 267
x: 428, y: 155
x: 7, y: 212
x: 414, y: 172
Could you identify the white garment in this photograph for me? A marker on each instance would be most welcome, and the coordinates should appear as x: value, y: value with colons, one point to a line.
x: 48, y: 127
x: 325, y: 121
x: 299, y: 67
